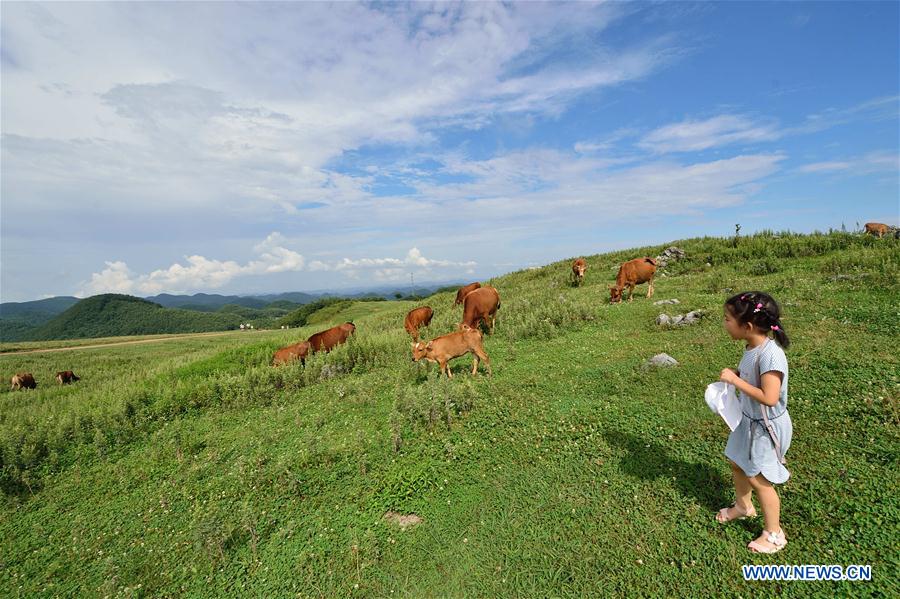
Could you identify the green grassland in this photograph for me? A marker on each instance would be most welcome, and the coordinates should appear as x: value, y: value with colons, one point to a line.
x: 192, y: 467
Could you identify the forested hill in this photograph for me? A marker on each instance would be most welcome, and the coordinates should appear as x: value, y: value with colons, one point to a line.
x: 111, y: 315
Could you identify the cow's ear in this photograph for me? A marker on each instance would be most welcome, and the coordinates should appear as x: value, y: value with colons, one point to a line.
x: 412, y: 345
x: 430, y: 345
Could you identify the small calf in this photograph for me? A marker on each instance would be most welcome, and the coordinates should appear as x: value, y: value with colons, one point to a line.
x: 464, y: 291
x: 416, y: 318
x: 66, y: 376
x: 286, y: 355
x: 22, y: 380
x: 453, y: 345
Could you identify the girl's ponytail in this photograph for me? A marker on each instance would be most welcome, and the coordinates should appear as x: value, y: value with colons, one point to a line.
x: 780, y: 334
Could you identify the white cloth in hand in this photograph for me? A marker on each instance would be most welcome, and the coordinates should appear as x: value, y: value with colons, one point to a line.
x: 722, y: 400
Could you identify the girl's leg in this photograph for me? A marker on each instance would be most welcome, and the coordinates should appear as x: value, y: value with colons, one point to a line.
x: 743, y: 504
x: 742, y: 488
x: 770, y: 504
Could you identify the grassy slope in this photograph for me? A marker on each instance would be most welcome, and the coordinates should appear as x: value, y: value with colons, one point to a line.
x: 569, y: 472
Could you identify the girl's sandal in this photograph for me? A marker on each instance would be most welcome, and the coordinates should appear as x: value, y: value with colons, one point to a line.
x: 722, y: 517
x: 776, y: 539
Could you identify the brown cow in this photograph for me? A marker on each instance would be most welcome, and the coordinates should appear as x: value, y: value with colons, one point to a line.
x: 286, y: 355
x: 417, y: 317
x: 578, y: 268
x: 327, y: 340
x: 464, y: 291
x: 22, y: 380
x: 453, y: 345
x: 631, y: 273
x: 877, y: 229
x: 481, y: 306
x: 65, y: 377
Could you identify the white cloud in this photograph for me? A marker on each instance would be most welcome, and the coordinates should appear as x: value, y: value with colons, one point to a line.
x: 873, y: 162
x: 413, y: 259
x: 691, y: 136
x: 832, y: 165
x: 115, y: 278
x: 250, y: 110
x: 198, y: 272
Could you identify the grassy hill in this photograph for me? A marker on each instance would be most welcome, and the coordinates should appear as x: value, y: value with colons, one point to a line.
x: 194, y: 468
x: 113, y: 314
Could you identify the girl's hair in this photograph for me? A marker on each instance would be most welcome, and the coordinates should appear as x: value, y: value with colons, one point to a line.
x: 761, y: 310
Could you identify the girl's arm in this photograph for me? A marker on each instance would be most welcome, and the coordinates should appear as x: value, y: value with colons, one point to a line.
x: 771, y: 385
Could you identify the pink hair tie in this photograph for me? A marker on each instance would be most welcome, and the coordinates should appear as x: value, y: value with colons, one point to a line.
x: 758, y: 308
x: 775, y: 327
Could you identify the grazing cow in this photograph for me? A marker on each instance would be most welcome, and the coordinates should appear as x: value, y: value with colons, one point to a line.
x: 66, y: 376
x: 327, y: 340
x: 22, y: 380
x: 481, y: 306
x: 464, y: 291
x: 877, y: 229
x: 578, y: 268
x: 417, y: 317
x: 631, y: 273
x: 286, y: 355
x: 453, y: 345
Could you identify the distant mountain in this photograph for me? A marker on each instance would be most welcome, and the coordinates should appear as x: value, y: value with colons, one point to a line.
x: 111, y: 315
x: 51, y: 305
x: 19, y: 319
x: 295, y: 297
x: 205, y: 301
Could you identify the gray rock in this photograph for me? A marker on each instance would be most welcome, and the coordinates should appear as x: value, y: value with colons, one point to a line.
x: 669, y: 254
x: 661, y: 360
x: 692, y: 317
x: 668, y: 301
x: 679, y: 320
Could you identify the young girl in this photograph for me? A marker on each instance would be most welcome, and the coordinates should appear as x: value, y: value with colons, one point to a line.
x: 757, y: 446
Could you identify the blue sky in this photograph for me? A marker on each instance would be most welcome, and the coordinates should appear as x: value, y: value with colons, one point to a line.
x: 255, y: 148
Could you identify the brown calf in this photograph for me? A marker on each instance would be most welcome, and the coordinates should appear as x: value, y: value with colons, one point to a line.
x: 464, y: 291
x: 877, y: 229
x: 578, y: 268
x: 65, y: 377
x: 286, y: 355
x: 631, y: 273
x: 328, y: 339
x: 22, y: 380
x: 481, y: 306
x: 417, y: 317
x: 453, y: 345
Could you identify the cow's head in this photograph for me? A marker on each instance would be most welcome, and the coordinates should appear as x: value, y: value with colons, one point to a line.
x: 420, y: 350
x: 615, y: 295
